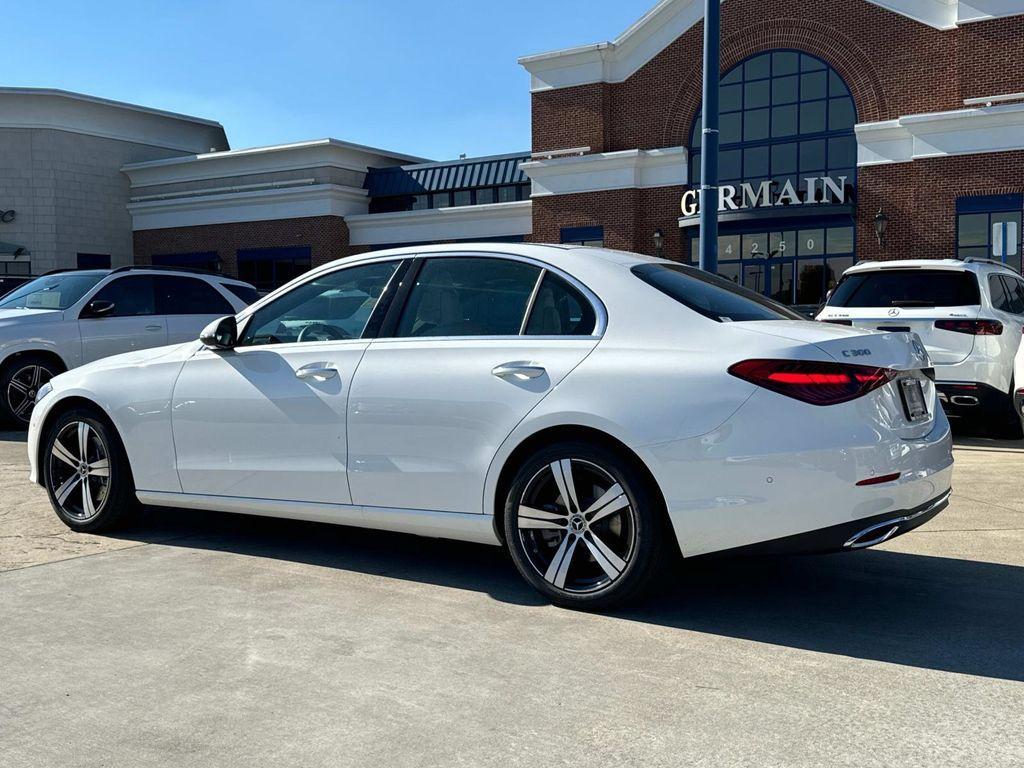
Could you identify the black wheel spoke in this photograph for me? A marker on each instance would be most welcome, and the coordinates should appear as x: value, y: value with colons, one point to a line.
x: 79, y: 471
x: 577, y: 526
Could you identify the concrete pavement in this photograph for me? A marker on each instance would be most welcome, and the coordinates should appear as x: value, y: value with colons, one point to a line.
x: 208, y: 639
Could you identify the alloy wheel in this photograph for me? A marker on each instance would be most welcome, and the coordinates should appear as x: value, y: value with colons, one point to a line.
x: 577, y: 526
x: 79, y: 471
x: 22, y: 390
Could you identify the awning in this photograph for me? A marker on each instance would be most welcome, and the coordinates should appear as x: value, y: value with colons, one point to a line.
x: 13, y: 249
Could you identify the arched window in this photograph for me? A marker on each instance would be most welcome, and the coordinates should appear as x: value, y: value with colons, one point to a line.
x: 785, y: 116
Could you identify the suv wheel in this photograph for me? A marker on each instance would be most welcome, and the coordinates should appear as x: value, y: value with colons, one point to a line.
x: 20, y: 380
x: 86, y: 472
x: 583, y: 526
x: 1009, y: 422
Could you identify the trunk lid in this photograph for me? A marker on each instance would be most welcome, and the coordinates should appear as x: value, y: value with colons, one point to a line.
x: 902, y: 352
x: 944, y: 347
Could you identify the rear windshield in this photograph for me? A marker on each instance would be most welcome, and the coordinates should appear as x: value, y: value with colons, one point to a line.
x: 907, y: 288
x: 711, y: 295
x: 245, y: 292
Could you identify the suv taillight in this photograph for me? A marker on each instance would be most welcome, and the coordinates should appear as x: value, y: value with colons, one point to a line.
x: 817, y: 383
x: 972, y: 327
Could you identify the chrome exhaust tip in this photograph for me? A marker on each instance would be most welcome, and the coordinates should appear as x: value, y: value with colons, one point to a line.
x: 969, y: 400
x: 880, y: 532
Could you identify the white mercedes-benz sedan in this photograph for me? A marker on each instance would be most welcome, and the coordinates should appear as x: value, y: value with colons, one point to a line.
x: 592, y: 410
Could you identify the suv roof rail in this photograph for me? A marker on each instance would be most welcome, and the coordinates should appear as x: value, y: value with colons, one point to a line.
x: 59, y: 270
x: 166, y: 268
x: 976, y: 260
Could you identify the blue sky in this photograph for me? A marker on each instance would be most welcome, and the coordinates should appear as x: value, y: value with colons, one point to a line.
x: 433, y: 79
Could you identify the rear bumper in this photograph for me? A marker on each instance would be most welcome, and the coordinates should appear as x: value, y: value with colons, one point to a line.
x: 779, y: 468
x: 962, y: 399
x: 852, y: 535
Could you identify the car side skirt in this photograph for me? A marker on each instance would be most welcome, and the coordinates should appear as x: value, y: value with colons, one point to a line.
x: 845, y: 537
x: 419, y: 522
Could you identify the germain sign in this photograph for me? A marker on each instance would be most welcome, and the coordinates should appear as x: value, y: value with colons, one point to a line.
x: 820, y: 189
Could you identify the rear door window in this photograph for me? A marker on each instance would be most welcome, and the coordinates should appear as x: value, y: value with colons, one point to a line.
x: 1015, y: 294
x: 907, y: 288
x: 189, y: 296
x: 468, y: 296
x: 559, y: 309
x: 246, y: 293
x: 997, y: 290
x: 711, y: 295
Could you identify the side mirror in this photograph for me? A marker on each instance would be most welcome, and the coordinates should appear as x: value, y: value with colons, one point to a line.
x: 221, y: 334
x: 98, y: 308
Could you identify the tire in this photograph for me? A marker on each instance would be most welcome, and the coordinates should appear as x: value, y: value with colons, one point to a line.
x: 605, y: 547
x: 106, y: 476
x: 1009, y: 423
x: 20, y: 379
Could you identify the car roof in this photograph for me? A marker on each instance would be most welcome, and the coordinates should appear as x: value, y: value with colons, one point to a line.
x: 551, y: 252
x: 962, y: 265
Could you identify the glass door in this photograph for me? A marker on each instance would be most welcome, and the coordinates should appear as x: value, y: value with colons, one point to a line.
x: 793, y: 266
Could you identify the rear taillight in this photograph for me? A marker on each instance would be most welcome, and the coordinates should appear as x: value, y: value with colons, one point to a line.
x: 813, y: 382
x: 972, y: 327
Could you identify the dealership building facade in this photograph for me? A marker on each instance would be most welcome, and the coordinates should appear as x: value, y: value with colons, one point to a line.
x: 850, y: 129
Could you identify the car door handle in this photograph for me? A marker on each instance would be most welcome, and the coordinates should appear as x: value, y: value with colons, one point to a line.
x: 519, y: 371
x: 154, y: 327
x: 316, y: 371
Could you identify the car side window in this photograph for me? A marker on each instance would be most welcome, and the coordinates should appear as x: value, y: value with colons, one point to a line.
x: 1015, y: 294
x: 189, y: 296
x: 468, y: 296
x: 132, y: 296
x: 560, y: 310
x: 330, y: 307
x: 1000, y: 300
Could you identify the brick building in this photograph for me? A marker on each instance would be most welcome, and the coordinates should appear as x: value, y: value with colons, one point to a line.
x: 833, y: 114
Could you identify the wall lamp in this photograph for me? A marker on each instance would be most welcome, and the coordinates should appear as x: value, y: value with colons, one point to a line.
x: 659, y: 242
x: 881, y: 222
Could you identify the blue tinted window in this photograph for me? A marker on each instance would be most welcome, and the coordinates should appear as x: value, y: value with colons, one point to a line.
x: 768, y: 101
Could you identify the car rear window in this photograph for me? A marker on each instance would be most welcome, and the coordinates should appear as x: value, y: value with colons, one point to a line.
x: 907, y: 288
x: 712, y: 296
x: 245, y: 292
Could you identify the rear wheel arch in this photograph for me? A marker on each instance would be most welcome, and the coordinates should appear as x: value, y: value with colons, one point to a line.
x: 566, y: 433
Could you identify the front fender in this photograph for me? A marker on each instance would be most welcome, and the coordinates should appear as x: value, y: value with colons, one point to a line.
x: 137, y: 400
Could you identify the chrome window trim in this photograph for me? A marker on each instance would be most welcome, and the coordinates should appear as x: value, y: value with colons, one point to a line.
x: 531, y: 301
x: 600, y: 313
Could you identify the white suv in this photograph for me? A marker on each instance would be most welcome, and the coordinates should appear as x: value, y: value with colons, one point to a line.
x: 969, y: 314
x: 65, y: 319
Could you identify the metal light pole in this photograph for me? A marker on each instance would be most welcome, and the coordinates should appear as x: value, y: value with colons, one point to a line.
x: 709, y: 141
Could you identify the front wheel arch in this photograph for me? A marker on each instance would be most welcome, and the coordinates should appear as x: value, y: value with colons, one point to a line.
x: 568, y: 433
x: 71, y: 403
x: 49, y: 356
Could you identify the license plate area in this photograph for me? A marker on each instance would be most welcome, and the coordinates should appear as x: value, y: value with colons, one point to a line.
x: 912, y: 394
